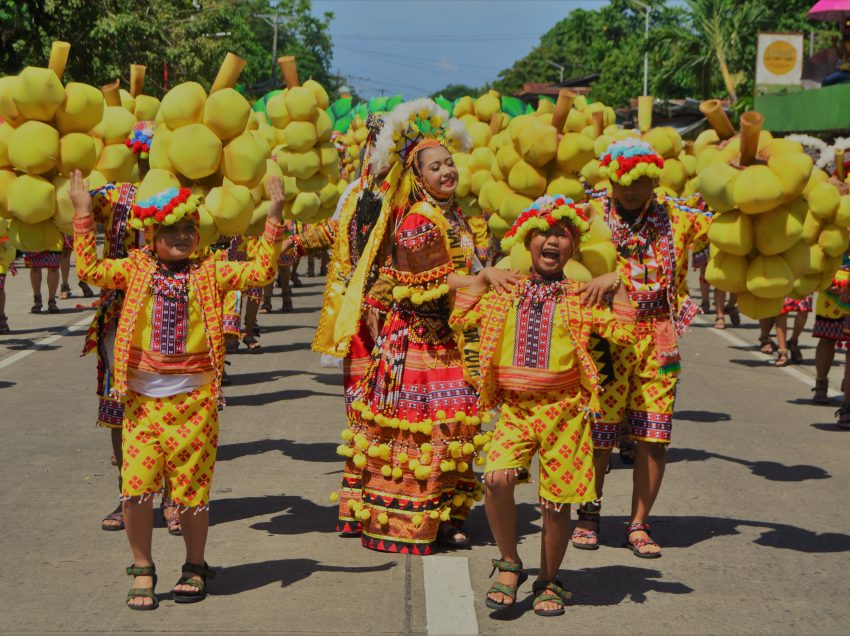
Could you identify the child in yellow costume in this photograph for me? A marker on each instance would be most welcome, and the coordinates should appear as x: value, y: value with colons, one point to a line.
x: 7, y: 259
x: 168, y: 360
x: 534, y: 362
x: 652, y: 236
x: 832, y: 320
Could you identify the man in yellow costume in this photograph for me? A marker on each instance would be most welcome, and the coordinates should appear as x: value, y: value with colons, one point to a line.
x: 652, y: 236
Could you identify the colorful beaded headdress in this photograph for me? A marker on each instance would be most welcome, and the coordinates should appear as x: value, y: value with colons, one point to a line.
x: 166, y: 208
x: 411, y: 123
x: 628, y: 160
x: 543, y: 214
x: 141, y: 138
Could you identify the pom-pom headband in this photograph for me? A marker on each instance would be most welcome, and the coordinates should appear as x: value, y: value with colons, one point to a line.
x: 542, y: 215
x: 166, y: 208
x: 626, y: 161
x: 141, y: 138
x: 411, y: 122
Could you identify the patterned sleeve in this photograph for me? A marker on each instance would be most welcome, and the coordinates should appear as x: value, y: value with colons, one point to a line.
x: 102, y: 201
x: 111, y: 273
x: 421, y: 254
x: 260, y: 270
x: 380, y: 295
x: 316, y: 237
x: 465, y: 315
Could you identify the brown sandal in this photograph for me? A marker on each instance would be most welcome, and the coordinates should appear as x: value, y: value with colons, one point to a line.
x: 767, y: 346
x: 64, y: 291
x: 4, y: 324
x: 796, y: 354
x: 636, y: 545
x: 250, y: 341
x: 843, y: 415
x: 720, y: 323
x: 782, y: 358
x: 734, y: 314
x: 821, y: 391
x: 589, y: 512
x: 36, y: 304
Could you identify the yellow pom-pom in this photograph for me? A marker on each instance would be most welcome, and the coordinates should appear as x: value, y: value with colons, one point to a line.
x: 400, y: 293
x: 473, y: 421
x: 445, y: 515
x: 454, y: 449
x: 359, y: 460
x: 403, y: 425
x: 487, y: 417
x: 479, y: 440
x: 480, y: 461
x: 397, y: 472
x: 342, y: 449
x: 458, y: 500
x: 425, y: 448
x: 486, y: 447
x: 334, y: 497
x: 462, y: 466
x: 359, y: 405
x: 355, y: 506
x: 380, y: 420
x: 402, y: 457
x: 468, y: 449
x: 384, y: 452
x: 414, y: 427
x: 416, y: 520
x: 372, y: 452
x: 360, y: 441
x: 395, y: 423
x: 367, y: 415
x: 427, y: 428
x: 347, y: 434
x: 425, y: 459
x: 445, y: 466
x: 441, y: 415
x: 364, y: 514
x: 413, y: 464
x: 422, y: 473
x: 417, y: 298
x: 383, y: 518
x: 460, y: 416
x: 434, y: 514
x: 386, y: 471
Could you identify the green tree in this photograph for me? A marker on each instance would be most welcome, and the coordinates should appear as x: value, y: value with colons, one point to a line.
x: 453, y: 91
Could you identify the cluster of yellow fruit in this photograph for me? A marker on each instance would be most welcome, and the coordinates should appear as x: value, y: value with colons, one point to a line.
x: 205, y: 142
x: 780, y: 229
x: 353, y: 141
x: 305, y: 153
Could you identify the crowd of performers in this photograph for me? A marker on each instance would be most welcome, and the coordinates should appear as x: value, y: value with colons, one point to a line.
x: 449, y: 362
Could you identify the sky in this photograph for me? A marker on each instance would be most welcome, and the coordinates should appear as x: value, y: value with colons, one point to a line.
x: 417, y: 47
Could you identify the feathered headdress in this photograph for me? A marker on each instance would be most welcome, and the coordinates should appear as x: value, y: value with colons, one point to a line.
x: 543, y: 214
x: 628, y: 160
x: 411, y: 123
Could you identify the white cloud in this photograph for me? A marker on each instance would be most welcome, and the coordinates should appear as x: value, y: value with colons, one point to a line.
x: 447, y: 65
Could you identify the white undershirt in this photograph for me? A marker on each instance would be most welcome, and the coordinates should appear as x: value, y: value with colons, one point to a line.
x: 160, y: 385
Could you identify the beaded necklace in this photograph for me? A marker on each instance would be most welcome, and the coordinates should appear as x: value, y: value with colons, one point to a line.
x: 171, y: 284
x: 632, y: 239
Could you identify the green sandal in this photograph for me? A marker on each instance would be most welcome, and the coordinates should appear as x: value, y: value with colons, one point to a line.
x: 142, y: 592
x: 205, y: 572
x: 551, y: 592
x: 502, y: 588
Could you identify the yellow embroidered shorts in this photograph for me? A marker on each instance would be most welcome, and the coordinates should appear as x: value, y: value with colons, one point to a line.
x: 637, y: 393
x: 554, y: 426
x: 171, y: 439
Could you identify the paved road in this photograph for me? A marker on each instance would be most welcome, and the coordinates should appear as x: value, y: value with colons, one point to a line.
x: 752, y: 514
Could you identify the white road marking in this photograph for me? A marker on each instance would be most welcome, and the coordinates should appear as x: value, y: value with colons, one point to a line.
x: 449, y: 606
x: 805, y: 378
x: 44, y: 342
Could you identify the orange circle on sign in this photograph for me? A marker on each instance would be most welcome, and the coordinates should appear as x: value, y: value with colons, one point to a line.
x: 780, y: 58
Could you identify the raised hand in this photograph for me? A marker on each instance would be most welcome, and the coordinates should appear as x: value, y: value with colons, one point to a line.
x: 79, y: 191
x: 275, y: 188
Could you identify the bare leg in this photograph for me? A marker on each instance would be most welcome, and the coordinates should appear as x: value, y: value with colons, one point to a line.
x: 501, y: 515
x: 52, y: 282
x: 195, y: 524
x: 138, y: 518
x: 35, y: 280
x: 601, y: 457
x: 284, y: 279
x: 115, y: 436
x: 553, y: 547
x: 251, y: 308
x: 720, y: 303
x: 824, y: 357
x: 65, y: 267
x: 650, y: 461
x: 782, y: 340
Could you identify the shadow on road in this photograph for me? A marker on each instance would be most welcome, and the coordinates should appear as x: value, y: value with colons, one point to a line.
x: 251, y: 576
x: 301, y: 515
x: 685, y: 532
x: 310, y: 452
x: 702, y: 416
x: 275, y: 396
x: 773, y: 471
x: 19, y: 344
x: 283, y: 348
x: 5, y: 385
x: 751, y: 362
x: 478, y: 530
x: 832, y: 427
x: 600, y: 587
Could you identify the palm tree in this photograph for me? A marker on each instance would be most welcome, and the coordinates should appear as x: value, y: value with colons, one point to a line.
x: 712, y: 38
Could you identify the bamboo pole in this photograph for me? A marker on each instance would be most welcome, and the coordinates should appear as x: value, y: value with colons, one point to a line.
x: 840, y: 169
x: 598, y: 122
x: 59, y: 58
x: 290, y: 70
x: 111, y: 94
x: 137, y: 79
x: 228, y: 73
x: 751, y: 123
x: 566, y: 98
x: 645, y: 103
x: 495, y: 123
x: 716, y: 116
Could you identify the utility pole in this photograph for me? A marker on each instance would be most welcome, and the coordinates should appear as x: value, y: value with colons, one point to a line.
x: 557, y: 66
x: 272, y: 19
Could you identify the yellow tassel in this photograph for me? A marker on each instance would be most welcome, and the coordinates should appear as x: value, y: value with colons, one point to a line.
x: 416, y: 520
x: 425, y: 459
x: 434, y: 514
x: 342, y: 449
x: 384, y: 452
x: 413, y: 464
x: 460, y: 417
x: 367, y: 415
x: 445, y: 515
x: 347, y: 434
x: 383, y: 519
x: 402, y: 457
x: 462, y: 467
x: 425, y: 448
x: 397, y: 473
x: 458, y: 500
x: 441, y: 415
x: 403, y: 425
x: 359, y: 460
x: 360, y: 441
x: 334, y: 496
x: 422, y: 473
x: 386, y: 471
x: 487, y: 417
x: 480, y: 461
x: 427, y: 428
x: 372, y: 452
x: 468, y: 449
x: 355, y: 506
